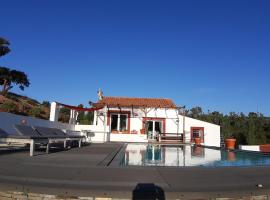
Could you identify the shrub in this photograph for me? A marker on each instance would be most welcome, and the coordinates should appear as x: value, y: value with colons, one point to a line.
x: 9, y: 107
x: 35, y: 112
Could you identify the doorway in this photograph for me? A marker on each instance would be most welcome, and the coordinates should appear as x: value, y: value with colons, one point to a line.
x: 153, y: 128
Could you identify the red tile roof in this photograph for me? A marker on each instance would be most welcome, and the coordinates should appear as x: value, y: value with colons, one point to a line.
x: 136, y: 102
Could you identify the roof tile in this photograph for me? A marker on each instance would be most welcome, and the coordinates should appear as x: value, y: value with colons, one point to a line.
x: 136, y: 102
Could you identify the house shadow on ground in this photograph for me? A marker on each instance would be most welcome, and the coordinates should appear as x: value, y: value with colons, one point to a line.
x: 148, y: 191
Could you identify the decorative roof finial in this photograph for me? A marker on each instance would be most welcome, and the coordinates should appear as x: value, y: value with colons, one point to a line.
x: 100, y: 94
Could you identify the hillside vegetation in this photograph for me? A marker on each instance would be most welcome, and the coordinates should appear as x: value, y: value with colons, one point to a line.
x: 252, y: 128
x: 22, y: 105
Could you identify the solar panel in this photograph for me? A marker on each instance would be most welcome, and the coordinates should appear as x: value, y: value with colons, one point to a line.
x: 44, y: 131
x: 59, y: 132
x: 3, y: 133
x: 26, y: 130
x: 50, y: 132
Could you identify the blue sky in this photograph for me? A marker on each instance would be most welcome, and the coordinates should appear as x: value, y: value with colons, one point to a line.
x: 213, y: 54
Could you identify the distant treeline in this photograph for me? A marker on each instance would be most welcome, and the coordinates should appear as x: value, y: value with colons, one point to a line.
x: 251, y: 129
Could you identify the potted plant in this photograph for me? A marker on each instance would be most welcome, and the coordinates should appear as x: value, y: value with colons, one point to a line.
x: 230, y: 141
x: 197, y: 140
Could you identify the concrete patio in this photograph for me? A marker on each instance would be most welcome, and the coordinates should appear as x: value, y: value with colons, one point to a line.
x: 84, y: 172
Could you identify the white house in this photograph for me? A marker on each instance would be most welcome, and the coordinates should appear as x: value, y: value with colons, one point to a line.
x: 127, y: 120
x: 141, y: 120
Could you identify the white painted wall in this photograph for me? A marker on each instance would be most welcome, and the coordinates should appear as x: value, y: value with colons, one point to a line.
x: 8, y: 120
x: 137, y: 116
x: 95, y: 133
x: 249, y: 147
x: 54, y: 112
x: 211, y: 131
x: 98, y: 135
x: 174, y: 124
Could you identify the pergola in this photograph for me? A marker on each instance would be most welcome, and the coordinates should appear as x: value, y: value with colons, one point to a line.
x: 74, y: 111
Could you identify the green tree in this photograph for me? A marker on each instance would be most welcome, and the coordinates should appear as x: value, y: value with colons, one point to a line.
x: 81, y: 114
x: 9, y: 78
x: 86, y: 118
x: 251, y: 136
x: 251, y: 129
x: 196, y: 112
x: 4, y: 49
x: 46, y: 104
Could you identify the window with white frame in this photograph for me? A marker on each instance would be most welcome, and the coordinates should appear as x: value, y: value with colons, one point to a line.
x: 119, y: 122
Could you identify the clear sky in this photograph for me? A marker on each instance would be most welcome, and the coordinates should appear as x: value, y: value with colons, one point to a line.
x: 213, y: 54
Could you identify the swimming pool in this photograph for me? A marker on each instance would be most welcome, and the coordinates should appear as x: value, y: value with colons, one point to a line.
x: 187, y: 155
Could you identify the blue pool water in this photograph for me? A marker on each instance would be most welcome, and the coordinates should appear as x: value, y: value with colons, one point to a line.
x: 186, y: 155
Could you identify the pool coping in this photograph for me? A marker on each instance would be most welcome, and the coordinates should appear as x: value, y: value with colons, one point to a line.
x: 115, y: 181
x: 111, y: 157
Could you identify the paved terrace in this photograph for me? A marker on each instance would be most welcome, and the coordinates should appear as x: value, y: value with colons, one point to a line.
x: 83, y: 172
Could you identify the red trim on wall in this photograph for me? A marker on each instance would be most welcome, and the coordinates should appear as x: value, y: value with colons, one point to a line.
x: 118, y: 112
x: 196, y: 128
x: 155, y: 119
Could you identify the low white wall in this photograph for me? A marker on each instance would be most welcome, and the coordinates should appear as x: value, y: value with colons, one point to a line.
x: 93, y: 133
x: 128, y: 138
x: 97, y: 134
x: 249, y: 147
x: 8, y: 120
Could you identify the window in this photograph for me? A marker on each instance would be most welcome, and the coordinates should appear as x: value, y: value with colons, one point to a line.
x: 119, y: 122
x: 114, y: 122
x: 123, y: 123
x: 158, y: 127
x: 197, y: 132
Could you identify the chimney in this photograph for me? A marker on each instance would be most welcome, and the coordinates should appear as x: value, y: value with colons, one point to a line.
x: 100, y: 94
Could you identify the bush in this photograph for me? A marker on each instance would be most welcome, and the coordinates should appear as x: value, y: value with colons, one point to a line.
x: 32, y: 102
x: 35, y: 112
x: 9, y: 107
